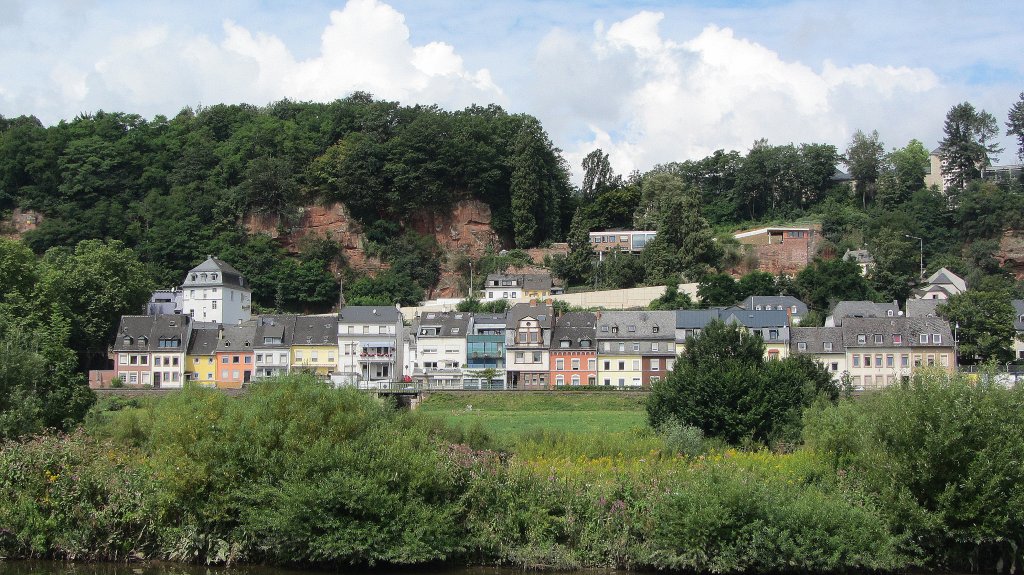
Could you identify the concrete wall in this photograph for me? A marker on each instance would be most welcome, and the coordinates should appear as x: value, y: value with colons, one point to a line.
x: 609, y: 299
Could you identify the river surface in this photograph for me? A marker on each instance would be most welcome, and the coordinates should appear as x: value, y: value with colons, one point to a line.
x: 56, y: 568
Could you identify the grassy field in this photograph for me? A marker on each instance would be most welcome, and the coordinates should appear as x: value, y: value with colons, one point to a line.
x: 515, y: 416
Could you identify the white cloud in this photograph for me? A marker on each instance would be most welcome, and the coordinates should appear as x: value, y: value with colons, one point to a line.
x: 160, y: 69
x: 683, y: 100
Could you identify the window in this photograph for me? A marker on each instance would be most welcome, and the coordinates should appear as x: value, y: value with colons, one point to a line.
x: 878, y: 360
x: 897, y: 339
x: 890, y: 361
x: 862, y: 339
x: 636, y: 365
x: 575, y: 379
x: 878, y: 339
x: 563, y: 343
x: 654, y: 329
x: 944, y: 360
x: 235, y: 359
x: 248, y: 359
x: 214, y: 304
x: 622, y: 366
x: 889, y: 313
x: 636, y: 346
x: 224, y: 374
x: 827, y: 346
x: 536, y: 357
x: 560, y: 380
x: 298, y: 355
x: 904, y: 360
x: 607, y: 365
x: 366, y: 329
x: 607, y: 346
x: 259, y: 358
x: 122, y: 358
x: 584, y: 343
x: 157, y: 360
x: 592, y: 364
x: 917, y: 360
x: 801, y: 346
x: 224, y: 359
x: 314, y: 356
x: 655, y: 364
x: 519, y: 357
x: 559, y: 364
x: 773, y: 334
x: 133, y: 378
x: 924, y: 338
x: 622, y: 346
x: 856, y: 360
x: 835, y: 366
x: 234, y: 374
x: 575, y: 364
x: 867, y: 360
x: 936, y: 338
x: 654, y: 346
x: 669, y: 364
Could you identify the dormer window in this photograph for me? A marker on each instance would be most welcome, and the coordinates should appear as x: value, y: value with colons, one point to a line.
x: 563, y: 343
x: 889, y: 313
x: 631, y: 328
x: 584, y: 343
x: 128, y: 340
x: 801, y: 346
x: 654, y: 329
x: 202, y: 276
x: 604, y: 329
x: 615, y: 329
x: 193, y: 277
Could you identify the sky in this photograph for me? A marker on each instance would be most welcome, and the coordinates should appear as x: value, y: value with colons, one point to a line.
x: 648, y: 82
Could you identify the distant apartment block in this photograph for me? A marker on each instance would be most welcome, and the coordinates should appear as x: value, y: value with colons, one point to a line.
x: 620, y: 241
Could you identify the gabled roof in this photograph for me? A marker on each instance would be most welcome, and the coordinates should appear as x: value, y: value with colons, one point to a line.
x: 753, y: 319
x: 214, y: 272
x: 145, y: 333
x: 851, y: 309
x: 777, y: 302
x: 240, y: 337
x: 541, y: 311
x: 923, y: 307
x: 203, y: 341
x: 909, y: 328
x: 576, y: 328
x: 945, y: 277
x: 369, y: 314
x: 636, y: 325
x: 815, y: 339
x: 275, y: 326
x: 448, y: 324
x: 317, y: 329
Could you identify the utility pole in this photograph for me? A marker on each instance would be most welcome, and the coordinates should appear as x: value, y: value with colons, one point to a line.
x: 922, y: 251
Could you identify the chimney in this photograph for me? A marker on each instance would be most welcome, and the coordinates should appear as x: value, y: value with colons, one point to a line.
x: 220, y: 332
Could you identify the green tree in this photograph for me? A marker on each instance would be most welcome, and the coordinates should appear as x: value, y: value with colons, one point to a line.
x: 717, y: 290
x: 756, y: 283
x: 824, y: 282
x: 598, y: 176
x: 903, y: 174
x: 90, y: 288
x: 672, y: 299
x: 897, y: 265
x: 578, y: 266
x: 1015, y: 125
x: 722, y: 384
x: 864, y: 158
x: 985, y: 320
x: 967, y: 146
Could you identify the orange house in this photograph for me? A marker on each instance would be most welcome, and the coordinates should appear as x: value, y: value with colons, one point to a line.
x: 573, y: 350
x: 234, y: 357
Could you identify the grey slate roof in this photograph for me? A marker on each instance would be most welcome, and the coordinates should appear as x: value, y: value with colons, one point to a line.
x: 371, y: 314
x: 238, y: 337
x: 852, y: 309
x: 698, y: 318
x: 909, y: 328
x: 576, y: 328
x: 276, y: 325
x: 317, y: 329
x: 636, y: 325
x: 1018, y: 319
x: 785, y: 302
x: 203, y: 341
x: 144, y: 333
x: 815, y: 339
x: 448, y: 324
x: 923, y: 307
x: 541, y: 311
x: 226, y: 275
x: 944, y: 276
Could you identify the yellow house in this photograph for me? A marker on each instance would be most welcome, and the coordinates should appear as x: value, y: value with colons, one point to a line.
x: 200, y: 360
x: 314, y: 348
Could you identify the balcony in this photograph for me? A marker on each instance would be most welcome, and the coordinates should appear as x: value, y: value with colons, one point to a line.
x: 376, y: 357
x: 487, y: 354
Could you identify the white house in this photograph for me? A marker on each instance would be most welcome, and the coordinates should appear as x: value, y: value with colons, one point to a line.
x: 215, y: 291
x: 370, y: 342
x: 441, y: 348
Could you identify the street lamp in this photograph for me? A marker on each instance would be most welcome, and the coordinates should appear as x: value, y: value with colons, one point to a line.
x: 922, y: 251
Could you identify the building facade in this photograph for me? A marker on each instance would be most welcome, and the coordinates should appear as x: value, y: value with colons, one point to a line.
x: 573, y: 355
x: 527, y: 343
x: 215, y: 291
x: 370, y: 341
x: 151, y: 350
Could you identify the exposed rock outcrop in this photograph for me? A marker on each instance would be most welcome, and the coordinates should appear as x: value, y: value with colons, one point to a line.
x: 20, y: 222
x: 1011, y: 252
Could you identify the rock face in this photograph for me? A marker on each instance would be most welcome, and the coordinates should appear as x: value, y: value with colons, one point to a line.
x: 331, y: 221
x: 1011, y: 252
x: 21, y: 221
x: 465, y: 230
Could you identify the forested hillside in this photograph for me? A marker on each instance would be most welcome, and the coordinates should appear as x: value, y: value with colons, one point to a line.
x: 177, y: 189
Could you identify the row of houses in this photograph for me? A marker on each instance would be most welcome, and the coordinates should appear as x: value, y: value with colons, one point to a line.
x: 528, y: 347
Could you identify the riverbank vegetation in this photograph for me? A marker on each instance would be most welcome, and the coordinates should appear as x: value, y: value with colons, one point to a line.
x: 297, y: 473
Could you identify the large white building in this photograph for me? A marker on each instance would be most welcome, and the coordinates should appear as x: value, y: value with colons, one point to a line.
x: 369, y: 341
x: 215, y: 291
